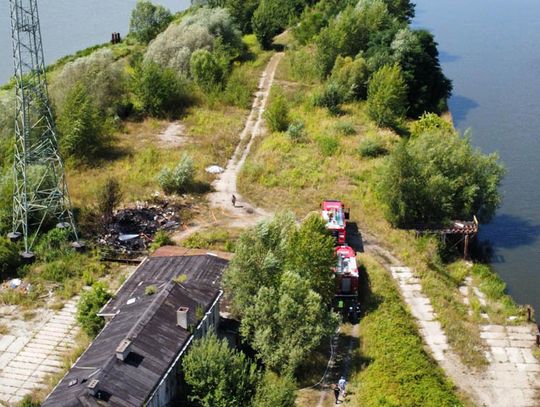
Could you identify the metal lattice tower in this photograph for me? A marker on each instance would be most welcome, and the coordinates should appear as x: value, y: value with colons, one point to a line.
x: 40, y: 195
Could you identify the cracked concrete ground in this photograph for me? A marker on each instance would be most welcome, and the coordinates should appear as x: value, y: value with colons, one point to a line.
x: 26, y: 360
x: 512, y: 377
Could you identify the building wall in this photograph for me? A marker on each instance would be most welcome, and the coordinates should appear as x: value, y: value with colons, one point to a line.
x: 167, y: 390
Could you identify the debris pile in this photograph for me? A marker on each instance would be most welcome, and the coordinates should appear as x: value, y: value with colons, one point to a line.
x: 132, y: 229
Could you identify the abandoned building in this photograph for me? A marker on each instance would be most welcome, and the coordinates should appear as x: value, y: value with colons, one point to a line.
x: 136, y: 358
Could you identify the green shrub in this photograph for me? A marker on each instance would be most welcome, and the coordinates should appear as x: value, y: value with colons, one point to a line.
x: 270, y: 18
x: 277, y: 113
x: 89, y: 305
x: 9, y: 258
x: 82, y: 134
x: 150, y: 290
x: 159, y: 91
x: 241, y: 85
x: 328, y: 145
x: 387, y: 96
x: 275, y: 391
x: 296, y: 130
x: 332, y: 96
x: 148, y: 20
x: 372, y: 147
x: 180, y: 179
x: 352, y: 75
x: 109, y: 197
x: 431, y: 123
x: 206, y: 70
x: 345, y: 128
x: 161, y: 239
x: 54, y: 244
x: 301, y: 65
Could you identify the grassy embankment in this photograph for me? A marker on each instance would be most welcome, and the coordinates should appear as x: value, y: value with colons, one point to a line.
x: 328, y: 163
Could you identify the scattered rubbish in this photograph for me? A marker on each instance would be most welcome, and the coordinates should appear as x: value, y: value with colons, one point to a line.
x: 15, y: 283
x: 132, y: 229
x: 214, y: 169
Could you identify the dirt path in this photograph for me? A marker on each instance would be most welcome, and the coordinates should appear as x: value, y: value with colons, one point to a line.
x: 512, y: 377
x: 242, y: 214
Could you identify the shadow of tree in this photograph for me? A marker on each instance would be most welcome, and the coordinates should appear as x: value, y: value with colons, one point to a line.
x: 460, y: 106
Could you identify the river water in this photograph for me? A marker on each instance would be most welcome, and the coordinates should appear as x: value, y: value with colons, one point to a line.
x: 489, y: 48
x: 68, y: 26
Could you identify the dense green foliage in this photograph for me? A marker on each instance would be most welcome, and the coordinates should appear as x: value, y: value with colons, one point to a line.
x: 275, y: 391
x: 431, y: 123
x: 217, y: 375
x: 159, y: 91
x: 9, y: 258
x: 387, y: 95
x: 277, y: 113
x: 89, y: 305
x: 332, y: 96
x: 148, y: 20
x: 180, y: 178
x: 82, y: 134
x: 352, y: 75
x: 206, y: 70
x: 280, y: 282
x: 439, y: 177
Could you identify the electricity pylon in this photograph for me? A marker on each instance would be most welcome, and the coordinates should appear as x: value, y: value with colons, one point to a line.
x: 40, y: 195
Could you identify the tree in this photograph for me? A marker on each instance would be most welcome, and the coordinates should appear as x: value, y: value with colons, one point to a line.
x: 270, y: 18
x: 82, y: 133
x: 89, y: 305
x: 158, y: 91
x: 217, y: 375
x: 387, y: 96
x: 403, y: 10
x: 108, y: 198
x: 206, y: 70
x: 427, y: 87
x: 438, y: 177
x: 284, y: 324
x: 242, y: 12
x: 310, y: 253
x: 275, y: 391
x: 148, y: 20
x: 431, y: 123
x: 258, y: 261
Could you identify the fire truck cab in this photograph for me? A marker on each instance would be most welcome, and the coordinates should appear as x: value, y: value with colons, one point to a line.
x: 335, y: 215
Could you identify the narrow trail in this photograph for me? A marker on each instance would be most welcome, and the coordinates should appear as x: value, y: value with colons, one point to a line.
x: 512, y: 377
x: 242, y: 214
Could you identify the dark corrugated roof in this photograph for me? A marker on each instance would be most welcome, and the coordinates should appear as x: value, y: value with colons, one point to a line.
x: 149, y: 321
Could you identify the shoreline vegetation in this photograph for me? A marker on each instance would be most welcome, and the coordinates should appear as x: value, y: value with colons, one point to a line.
x: 346, y: 120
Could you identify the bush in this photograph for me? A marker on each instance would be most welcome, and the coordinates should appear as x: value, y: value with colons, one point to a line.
x: 331, y: 97
x: 352, y: 75
x: 54, y: 244
x: 100, y: 74
x: 109, y: 197
x: 88, y: 307
x: 148, y: 20
x: 275, y: 391
x: 82, y: 134
x: 202, y: 30
x: 9, y: 258
x: 328, y: 145
x: 206, y: 70
x: 179, y: 179
x: 372, y: 147
x: 431, y: 123
x: 296, y: 130
x: 277, y: 113
x: 242, y: 12
x: 159, y: 91
x: 345, y: 128
x: 217, y: 375
x: 241, y: 85
x: 387, y: 96
x: 301, y: 65
x: 161, y: 239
